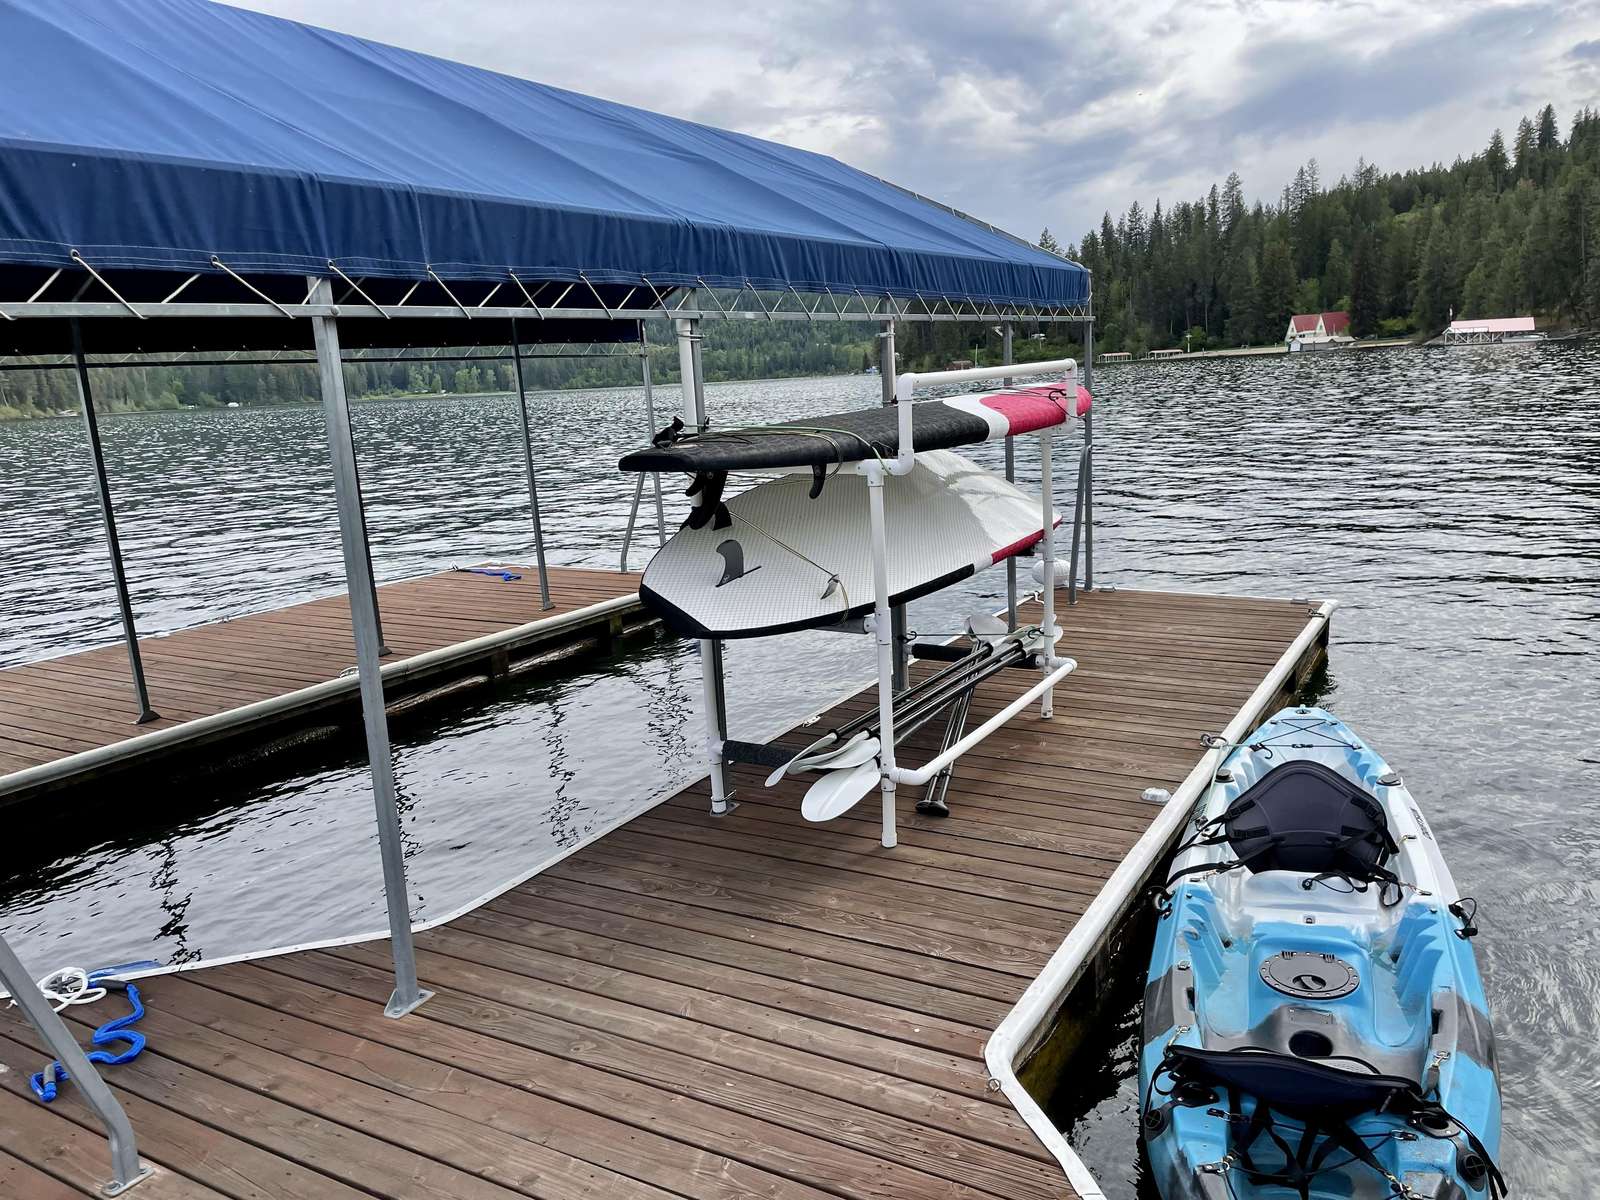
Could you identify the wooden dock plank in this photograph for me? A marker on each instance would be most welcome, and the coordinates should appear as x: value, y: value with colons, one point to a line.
x: 59, y: 707
x: 699, y: 1006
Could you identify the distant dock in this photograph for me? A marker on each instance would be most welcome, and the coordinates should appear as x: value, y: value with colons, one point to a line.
x: 1274, y: 351
x: 694, y: 1006
x: 67, y: 719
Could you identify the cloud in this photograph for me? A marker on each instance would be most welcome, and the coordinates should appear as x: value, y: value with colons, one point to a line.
x: 1042, y: 112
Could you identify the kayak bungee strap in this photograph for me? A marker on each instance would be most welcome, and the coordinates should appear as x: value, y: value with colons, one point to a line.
x: 44, y: 1082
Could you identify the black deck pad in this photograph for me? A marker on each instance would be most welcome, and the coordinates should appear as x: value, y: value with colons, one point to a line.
x: 817, y: 441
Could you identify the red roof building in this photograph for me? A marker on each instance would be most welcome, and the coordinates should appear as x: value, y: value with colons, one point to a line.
x: 1317, y: 329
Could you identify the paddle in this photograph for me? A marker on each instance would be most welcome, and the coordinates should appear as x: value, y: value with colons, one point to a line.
x: 837, y: 792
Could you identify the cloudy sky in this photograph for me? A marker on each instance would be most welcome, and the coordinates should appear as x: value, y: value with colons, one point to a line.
x: 1029, y: 112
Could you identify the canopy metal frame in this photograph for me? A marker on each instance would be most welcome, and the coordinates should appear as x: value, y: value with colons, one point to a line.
x: 144, y: 295
x: 212, y: 301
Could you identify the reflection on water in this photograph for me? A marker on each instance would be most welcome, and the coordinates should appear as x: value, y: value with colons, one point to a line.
x: 1451, y: 499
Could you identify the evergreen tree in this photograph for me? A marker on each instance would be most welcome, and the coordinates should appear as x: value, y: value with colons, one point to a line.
x: 1365, y: 301
x: 1277, y: 289
x: 1436, y: 288
x: 1336, y: 276
x: 1495, y: 159
x: 1524, y: 148
x: 1047, y: 242
x: 1549, y: 136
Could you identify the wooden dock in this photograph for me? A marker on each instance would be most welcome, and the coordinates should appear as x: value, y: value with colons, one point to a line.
x: 66, y: 718
x: 690, y: 1006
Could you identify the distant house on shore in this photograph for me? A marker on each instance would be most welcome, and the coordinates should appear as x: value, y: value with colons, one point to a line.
x: 1492, y: 329
x: 1318, y: 331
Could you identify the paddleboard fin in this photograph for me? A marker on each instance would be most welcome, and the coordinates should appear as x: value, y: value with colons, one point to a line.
x: 733, y: 561
x: 819, y: 476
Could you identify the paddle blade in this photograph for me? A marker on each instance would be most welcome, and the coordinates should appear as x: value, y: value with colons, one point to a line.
x: 982, y: 625
x: 793, y: 764
x: 837, y: 792
x: 857, y: 750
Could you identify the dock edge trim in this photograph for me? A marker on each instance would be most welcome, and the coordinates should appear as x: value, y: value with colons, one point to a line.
x: 313, y: 694
x: 1030, y: 1018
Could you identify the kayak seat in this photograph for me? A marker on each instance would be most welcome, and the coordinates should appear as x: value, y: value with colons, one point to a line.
x: 1302, y: 816
x: 1291, y: 1084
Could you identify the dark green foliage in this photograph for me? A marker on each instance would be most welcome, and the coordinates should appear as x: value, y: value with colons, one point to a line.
x: 1498, y: 234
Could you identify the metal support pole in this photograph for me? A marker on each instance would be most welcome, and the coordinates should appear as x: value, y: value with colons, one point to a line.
x: 1077, y: 526
x: 1007, y: 359
x: 887, y: 367
x: 694, y: 416
x: 108, y: 519
x: 366, y: 547
x: 364, y: 624
x: 1088, y: 501
x: 699, y: 379
x: 883, y: 632
x: 126, y: 1169
x: 650, y: 432
x: 1088, y: 441
x: 527, y: 461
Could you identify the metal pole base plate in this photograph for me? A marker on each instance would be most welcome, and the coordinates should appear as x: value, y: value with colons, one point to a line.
x: 145, y: 718
x: 727, y: 807
x: 399, y: 1008
x: 116, y: 1189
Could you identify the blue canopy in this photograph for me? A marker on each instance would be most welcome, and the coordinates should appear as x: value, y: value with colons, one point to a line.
x: 157, y: 133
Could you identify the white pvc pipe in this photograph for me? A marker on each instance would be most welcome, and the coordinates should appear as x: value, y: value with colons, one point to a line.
x: 1054, y: 366
x: 1047, y: 545
x: 694, y: 416
x: 905, y: 387
x: 1028, y: 1022
x: 883, y: 631
x: 1056, y: 669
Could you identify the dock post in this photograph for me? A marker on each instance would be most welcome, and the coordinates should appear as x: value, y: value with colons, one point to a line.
x: 1007, y: 359
x: 364, y: 625
x: 888, y: 362
x: 126, y: 1169
x: 527, y: 461
x: 108, y: 519
x: 650, y: 432
x: 694, y: 416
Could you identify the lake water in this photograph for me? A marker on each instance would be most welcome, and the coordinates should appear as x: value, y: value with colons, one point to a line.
x: 1450, y: 499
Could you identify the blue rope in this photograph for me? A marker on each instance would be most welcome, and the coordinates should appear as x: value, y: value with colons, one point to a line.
x: 503, y: 576
x: 44, y: 1082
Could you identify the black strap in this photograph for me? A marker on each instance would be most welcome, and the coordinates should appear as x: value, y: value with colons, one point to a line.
x: 710, y: 510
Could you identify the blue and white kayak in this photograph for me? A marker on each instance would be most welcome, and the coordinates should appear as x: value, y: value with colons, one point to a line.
x: 1314, y: 1021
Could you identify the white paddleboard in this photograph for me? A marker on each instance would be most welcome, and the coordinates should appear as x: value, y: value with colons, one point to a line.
x: 789, y: 562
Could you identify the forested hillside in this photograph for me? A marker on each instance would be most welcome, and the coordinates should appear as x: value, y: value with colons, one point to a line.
x: 732, y: 350
x: 1512, y: 230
